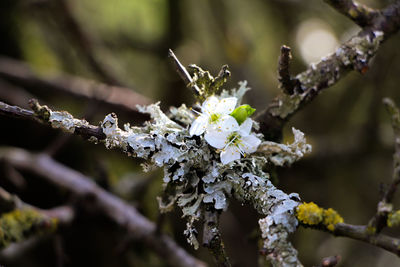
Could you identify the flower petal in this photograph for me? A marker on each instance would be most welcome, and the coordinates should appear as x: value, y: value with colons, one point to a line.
x: 209, y: 106
x: 229, y: 154
x: 226, y: 123
x: 216, y: 139
x: 245, y: 127
x: 199, y: 125
x: 249, y: 143
x: 226, y: 105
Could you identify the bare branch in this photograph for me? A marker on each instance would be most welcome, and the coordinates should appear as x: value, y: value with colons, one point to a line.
x: 184, y: 74
x: 361, y: 14
x: 361, y: 233
x: 17, y: 112
x: 114, y: 208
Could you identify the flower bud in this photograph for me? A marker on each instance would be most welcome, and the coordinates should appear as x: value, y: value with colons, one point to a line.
x: 242, y: 113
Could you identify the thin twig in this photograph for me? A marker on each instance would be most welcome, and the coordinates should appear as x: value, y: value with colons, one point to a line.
x: 114, y: 208
x: 184, y: 74
x: 379, y: 221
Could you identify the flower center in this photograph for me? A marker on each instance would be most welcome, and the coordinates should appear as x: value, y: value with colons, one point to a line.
x: 214, y: 117
x: 234, y: 139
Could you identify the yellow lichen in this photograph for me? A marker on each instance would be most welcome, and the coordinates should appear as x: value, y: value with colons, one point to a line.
x: 371, y: 230
x: 311, y: 214
x: 22, y: 223
x: 393, y: 219
x: 331, y: 218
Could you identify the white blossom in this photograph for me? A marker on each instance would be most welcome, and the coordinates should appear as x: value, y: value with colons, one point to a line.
x: 234, y: 142
x: 215, y: 116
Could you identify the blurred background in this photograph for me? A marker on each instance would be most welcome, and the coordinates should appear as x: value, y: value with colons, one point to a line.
x: 54, y: 50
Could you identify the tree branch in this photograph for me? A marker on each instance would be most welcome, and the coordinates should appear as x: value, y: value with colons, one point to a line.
x: 212, y: 237
x: 287, y: 82
x: 361, y: 14
x: 17, y: 112
x: 360, y: 232
x: 114, y: 208
x: 354, y: 54
x: 379, y: 221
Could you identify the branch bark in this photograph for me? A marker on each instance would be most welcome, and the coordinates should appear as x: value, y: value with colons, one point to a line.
x: 361, y: 14
x: 212, y: 237
x: 360, y: 232
x: 114, y: 208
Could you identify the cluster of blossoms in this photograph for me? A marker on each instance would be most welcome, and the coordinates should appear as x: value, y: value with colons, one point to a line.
x: 226, y: 128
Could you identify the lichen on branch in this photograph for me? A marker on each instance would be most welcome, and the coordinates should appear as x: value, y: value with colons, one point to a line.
x: 19, y: 224
x: 195, y: 177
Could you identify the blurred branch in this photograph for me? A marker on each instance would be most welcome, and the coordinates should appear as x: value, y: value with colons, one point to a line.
x: 361, y: 233
x: 379, y: 221
x: 354, y: 54
x: 9, y: 202
x: 212, y: 237
x: 14, y: 94
x: 114, y: 208
x: 330, y: 261
x: 361, y: 14
x: 20, y: 221
x: 20, y: 74
x: 62, y: 13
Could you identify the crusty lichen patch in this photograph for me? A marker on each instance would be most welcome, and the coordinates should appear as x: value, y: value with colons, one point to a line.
x: 312, y: 215
x: 19, y: 224
x: 393, y: 219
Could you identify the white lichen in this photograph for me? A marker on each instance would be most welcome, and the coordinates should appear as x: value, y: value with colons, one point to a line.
x: 281, y: 154
x: 65, y: 121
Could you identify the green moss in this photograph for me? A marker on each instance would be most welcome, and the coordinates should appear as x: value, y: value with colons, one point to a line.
x: 312, y: 215
x: 19, y: 224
